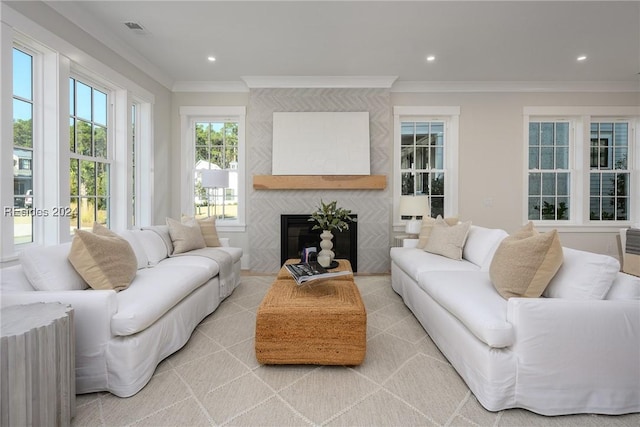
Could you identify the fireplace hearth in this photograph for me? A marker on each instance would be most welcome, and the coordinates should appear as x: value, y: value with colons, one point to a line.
x: 296, y: 233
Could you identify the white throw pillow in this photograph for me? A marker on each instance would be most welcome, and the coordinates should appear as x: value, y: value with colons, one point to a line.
x: 131, y: 236
x: 625, y: 286
x: 48, y: 269
x: 583, y: 275
x: 447, y: 240
x: 185, y: 236
x: 481, y: 244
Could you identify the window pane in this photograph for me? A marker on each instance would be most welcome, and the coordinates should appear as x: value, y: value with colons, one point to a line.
x: 562, y: 211
x: 437, y: 130
x: 87, y: 178
x: 202, y: 133
x: 534, y: 208
x: 594, y: 208
x: 407, y: 183
x: 99, y: 107
x: 622, y: 184
x: 22, y: 124
x: 422, y: 158
x: 562, y: 134
x: 406, y: 136
x: 534, y: 134
x: 87, y: 212
x: 422, y: 183
x: 102, y: 210
x: 621, y: 138
x: 548, y: 184
x: 406, y: 157
x: 534, y: 158
x: 563, y: 184
x: 22, y: 75
x: 547, y: 134
x: 100, y: 141
x: 562, y: 158
x: 83, y: 101
x: 548, y: 208
x: 102, y: 179
x: 621, y: 209
x: 422, y: 133
x: 72, y: 135
x: 72, y: 97
x: 83, y: 138
x: 547, y: 158
x: 437, y: 184
x: 535, y: 184
x: 73, y: 177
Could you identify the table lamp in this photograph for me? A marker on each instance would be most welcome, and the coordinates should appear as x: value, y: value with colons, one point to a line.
x: 414, y: 206
x: 214, y: 178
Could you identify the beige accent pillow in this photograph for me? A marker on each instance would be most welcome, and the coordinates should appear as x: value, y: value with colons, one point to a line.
x: 525, y: 262
x: 447, y: 240
x: 208, y: 229
x: 103, y: 259
x: 427, y: 225
x: 185, y: 237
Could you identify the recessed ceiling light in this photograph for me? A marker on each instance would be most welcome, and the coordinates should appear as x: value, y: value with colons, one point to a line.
x: 211, y: 58
x: 431, y: 58
x: 582, y: 57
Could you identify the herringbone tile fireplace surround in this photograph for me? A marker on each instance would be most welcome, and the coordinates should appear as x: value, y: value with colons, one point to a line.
x: 371, y: 206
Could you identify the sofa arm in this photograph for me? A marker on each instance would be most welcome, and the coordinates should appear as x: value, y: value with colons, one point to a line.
x: 93, y: 310
x: 577, y: 347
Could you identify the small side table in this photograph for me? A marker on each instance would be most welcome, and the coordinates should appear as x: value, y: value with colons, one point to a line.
x: 37, y: 372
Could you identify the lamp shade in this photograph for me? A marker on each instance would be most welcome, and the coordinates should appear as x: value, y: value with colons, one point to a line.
x: 214, y: 178
x: 414, y: 206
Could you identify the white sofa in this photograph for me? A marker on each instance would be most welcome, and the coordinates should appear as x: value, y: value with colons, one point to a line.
x: 122, y: 336
x: 577, y: 350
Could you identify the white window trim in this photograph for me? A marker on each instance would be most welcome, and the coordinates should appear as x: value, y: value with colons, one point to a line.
x: 581, y: 118
x: 188, y: 117
x: 450, y: 115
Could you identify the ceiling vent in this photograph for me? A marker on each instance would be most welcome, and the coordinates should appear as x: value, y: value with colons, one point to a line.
x: 135, y: 27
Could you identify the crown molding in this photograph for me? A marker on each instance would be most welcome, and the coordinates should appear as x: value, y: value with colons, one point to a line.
x: 210, y: 86
x: 254, y: 82
x: 514, y: 86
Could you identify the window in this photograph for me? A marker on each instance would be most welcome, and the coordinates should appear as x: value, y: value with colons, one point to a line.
x: 216, y: 147
x: 89, y: 148
x: 422, y: 161
x: 581, y: 166
x: 426, y: 156
x: 22, y: 146
x: 609, y: 175
x: 549, y: 172
x: 213, y: 137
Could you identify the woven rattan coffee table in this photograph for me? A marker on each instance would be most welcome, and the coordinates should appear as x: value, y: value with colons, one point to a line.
x: 322, y: 323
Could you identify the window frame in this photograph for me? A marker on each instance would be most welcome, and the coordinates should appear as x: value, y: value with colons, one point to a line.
x: 580, y: 119
x: 450, y: 116
x: 189, y: 115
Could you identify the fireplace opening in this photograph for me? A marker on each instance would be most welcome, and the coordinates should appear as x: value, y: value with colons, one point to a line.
x: 296, y: 234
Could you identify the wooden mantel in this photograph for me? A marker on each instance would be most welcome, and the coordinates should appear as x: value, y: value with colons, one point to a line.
x: 319, y: 182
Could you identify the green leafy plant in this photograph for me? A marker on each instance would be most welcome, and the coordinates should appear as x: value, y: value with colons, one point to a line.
x: 330, y: 217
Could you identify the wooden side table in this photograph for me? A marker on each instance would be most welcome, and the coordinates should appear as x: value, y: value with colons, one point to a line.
x: 37, y: 369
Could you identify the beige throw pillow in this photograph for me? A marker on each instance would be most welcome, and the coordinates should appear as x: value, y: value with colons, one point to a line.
x: 185, y: 237
x: 103, y: 259
x: 208, y: 229
x: 525, y: 262
x: 427, y: 225
x: 447, y: 240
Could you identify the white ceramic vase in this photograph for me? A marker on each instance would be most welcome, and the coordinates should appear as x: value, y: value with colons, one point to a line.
x: 326, y: 244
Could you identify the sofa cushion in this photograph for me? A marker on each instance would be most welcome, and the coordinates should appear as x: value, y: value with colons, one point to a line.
x: 131, y: 236
x: 48, y: 268
x: 625, y: 286
x: 103, y: 259
x: 163, y: 232
x: 525, y: 262
x: 472, y: 299
x: 414, y: 261
x: 447, y: 240
x: 192, y: 260
x: 185, y: 237
x: 583, y: 275
x: 427, y: 225
x: 153, y: 292
x: 208, y: 229
x: 481, y: 244
x: 154, y: 246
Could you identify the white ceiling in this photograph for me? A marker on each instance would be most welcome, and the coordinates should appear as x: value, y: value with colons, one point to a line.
x: 484, y: 42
